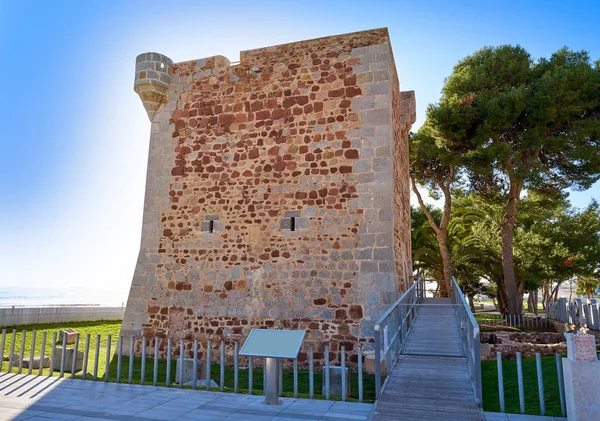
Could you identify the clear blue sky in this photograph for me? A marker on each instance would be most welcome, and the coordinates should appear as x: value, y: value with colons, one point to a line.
x: 74, y: 136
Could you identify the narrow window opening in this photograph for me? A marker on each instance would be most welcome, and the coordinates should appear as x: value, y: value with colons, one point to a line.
x: 293, y: 223
x: 210, y: 225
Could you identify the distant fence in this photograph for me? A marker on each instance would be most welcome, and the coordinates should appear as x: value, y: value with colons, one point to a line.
x: 528, y: 321
x: 36, y: 315
x: 575, y: 312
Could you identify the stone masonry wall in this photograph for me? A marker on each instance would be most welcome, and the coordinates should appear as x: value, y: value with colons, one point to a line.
x: 306, y: 135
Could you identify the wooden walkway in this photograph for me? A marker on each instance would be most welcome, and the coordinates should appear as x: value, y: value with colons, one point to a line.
x: 430, y: 380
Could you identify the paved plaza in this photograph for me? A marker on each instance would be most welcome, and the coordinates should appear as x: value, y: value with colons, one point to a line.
x: 40, y: 398
x: 36, y: 398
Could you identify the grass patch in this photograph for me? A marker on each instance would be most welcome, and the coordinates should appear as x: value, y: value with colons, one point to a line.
x: 93, y: 328
x: 113, y: 328
x: 489, y: 376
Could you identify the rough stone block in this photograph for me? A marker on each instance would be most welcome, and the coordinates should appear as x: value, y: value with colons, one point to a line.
x: 364, y: 254
x: 188, y: 370
x: 363, y: 103
x: 363, y: 165
x: 386, y: 214
x: 581, y: 347
x: 383, y: 253
x: 582, y: 385
x: 369, y: 364
x: 285, y: 224
x: 387, y: 297
x: 382, y: 165
x: 368, y: 266
x: 335, y: 381
x: 70, y: 335
x: 381, y: 75
x: 301, y: 222
x: 68, y: 359
x: 375, y: 117
x: 14, y: 357
x: 35, y: 363
x: 378, y: 88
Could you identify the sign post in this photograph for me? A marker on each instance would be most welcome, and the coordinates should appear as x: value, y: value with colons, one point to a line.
x: 273, y: 345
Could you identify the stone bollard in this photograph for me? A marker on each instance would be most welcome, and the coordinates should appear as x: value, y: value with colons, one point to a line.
x: 70, y: 334
x: 581, y: 371
x: 335, y: 381
x: 188, y: 370
x: 69, y: 353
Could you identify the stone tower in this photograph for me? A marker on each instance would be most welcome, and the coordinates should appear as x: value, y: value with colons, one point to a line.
x: 277, y: 192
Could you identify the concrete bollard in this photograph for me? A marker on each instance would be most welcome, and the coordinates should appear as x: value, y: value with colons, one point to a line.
x: 188, y: 370
x: 581, y: 371
x: 335, y: 381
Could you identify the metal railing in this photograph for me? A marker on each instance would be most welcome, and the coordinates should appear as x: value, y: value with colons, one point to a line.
x: 575, y: 312
x: 469, y: 330
x: 392, y: 328
x: 527, y: 321
x: 509, y: 395
x: 102, y: 358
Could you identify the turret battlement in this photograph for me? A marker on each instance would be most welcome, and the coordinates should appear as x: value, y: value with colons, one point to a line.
x: 152, y: 79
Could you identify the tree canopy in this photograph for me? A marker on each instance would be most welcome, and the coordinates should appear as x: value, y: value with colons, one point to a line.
x: 512, y: 123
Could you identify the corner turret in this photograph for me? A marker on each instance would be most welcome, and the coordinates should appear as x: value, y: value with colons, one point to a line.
x: 152, y: 79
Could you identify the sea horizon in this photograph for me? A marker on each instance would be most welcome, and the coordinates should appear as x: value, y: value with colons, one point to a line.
x: 15, y: 296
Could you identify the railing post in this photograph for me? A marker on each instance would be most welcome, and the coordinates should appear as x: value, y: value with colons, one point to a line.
x: 520, y: 383
x: 222, y: 370
x: 343, y: 366
x: 561, y: 384
x: 540, y: 379
x: 377, y: 362
x: 327, y: 371
x: 360, y: 374
x: 477, y: 367
x: 500, y: 380
x: 311, y: 373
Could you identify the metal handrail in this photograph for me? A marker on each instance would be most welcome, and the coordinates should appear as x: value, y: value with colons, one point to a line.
x: 403, y: 297
x: 399, y: 317
x: 469, y: 330
x: 395, y: 324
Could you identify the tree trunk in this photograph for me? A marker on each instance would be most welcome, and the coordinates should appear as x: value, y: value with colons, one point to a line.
x: 514, y: 300
x: 546, y: 294
x: 441, y: 231
x: 530, y: 302
x: 501, y: 295
x: 446, y: 263
x: 471, y: 303
x: 554, y: 293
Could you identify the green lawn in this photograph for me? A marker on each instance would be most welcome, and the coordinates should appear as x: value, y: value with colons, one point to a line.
x: 93, y: 328
x: 112, y: 328
x: 489, y: 375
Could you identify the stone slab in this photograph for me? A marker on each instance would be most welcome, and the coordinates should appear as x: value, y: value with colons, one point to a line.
x: 68, y: 360
x: 188, y: 370
x: 335, y: 381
